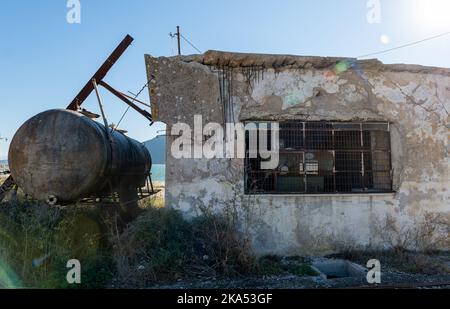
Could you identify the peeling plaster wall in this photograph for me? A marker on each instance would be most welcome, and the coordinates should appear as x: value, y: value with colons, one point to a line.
x: 414, y: 99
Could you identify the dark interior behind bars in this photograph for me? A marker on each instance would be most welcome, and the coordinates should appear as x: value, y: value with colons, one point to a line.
x: 324, y: 157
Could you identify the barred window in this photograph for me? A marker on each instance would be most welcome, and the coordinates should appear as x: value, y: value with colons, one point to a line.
x: 325, y: 157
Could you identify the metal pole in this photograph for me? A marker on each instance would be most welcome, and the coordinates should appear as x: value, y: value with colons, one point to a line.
x: 105, y: 121
x: 179, y: 41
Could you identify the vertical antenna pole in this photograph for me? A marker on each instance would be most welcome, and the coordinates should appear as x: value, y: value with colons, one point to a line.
x: 179, y: 41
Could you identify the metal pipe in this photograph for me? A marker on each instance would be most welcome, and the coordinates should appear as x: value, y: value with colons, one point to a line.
x: 179, y: 41
x: 99, y: 99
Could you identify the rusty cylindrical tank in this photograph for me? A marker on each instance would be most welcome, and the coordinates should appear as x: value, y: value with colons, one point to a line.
x: 65, y: 155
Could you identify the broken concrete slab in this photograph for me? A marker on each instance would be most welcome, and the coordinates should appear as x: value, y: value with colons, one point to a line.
x: 338, y: 268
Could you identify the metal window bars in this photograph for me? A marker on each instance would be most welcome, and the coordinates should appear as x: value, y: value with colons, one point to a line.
x: 325, y: 157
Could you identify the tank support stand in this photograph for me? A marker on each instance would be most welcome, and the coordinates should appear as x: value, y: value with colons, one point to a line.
x: 6, y: 187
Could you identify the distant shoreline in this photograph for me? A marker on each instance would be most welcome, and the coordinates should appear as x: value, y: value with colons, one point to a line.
x: 4, y: 166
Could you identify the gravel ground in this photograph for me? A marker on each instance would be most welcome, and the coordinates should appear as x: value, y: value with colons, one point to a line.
x: 391, y: 277
x: 389, y: 280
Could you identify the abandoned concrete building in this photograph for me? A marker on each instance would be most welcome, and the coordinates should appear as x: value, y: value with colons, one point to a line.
x: 363, y: 149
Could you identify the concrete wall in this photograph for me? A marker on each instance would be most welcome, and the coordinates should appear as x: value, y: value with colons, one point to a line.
x: 227, y: 87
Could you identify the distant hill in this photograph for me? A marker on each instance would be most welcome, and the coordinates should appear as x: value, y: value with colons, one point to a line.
x: 157, y: 148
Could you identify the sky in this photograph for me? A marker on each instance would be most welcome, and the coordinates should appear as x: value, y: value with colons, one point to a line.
x: 45, y: 60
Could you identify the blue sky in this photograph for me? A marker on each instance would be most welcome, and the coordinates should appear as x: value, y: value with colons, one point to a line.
x: 44, y: 60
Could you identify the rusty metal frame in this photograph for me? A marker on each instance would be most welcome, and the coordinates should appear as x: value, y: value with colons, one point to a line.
x: 124, y: 98
x: 101, y: 73
x: 98, y: 80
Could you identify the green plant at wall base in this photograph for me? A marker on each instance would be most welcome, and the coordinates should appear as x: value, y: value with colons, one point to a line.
x: 270, y: 266
x: 304, y: 270
x: 274, y: 265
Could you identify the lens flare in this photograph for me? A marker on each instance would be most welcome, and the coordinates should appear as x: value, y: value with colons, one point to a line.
x: 39, y: 261
x: 385, y: 39
x: 341, y: 67
x: 8, y: 279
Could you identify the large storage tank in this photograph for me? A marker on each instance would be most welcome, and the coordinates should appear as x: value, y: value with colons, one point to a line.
x: 65, y: 155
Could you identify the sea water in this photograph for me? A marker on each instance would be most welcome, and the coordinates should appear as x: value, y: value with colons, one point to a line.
x: 158, y: 172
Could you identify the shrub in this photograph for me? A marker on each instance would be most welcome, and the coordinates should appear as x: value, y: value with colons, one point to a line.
x: 161, y: 245
x: 154, y: 247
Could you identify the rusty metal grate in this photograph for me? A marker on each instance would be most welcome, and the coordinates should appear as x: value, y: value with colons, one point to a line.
x: 325, y: 157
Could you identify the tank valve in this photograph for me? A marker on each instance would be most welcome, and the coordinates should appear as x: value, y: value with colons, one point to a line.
x: 52, y: 200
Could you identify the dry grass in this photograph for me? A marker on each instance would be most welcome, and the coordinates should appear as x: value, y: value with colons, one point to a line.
x: 156, y: 201
x: 36, y: 241
x: 161, y: 246
x: 2, y: 179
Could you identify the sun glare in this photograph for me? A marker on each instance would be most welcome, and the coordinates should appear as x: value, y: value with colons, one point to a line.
x: 432, y: 14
